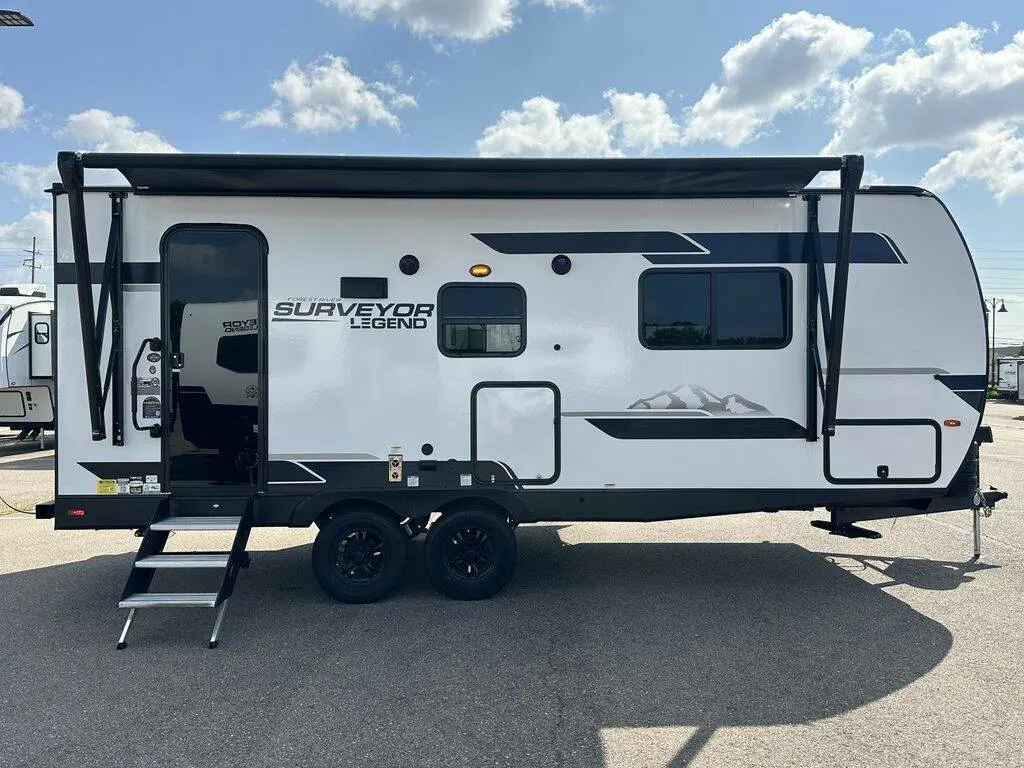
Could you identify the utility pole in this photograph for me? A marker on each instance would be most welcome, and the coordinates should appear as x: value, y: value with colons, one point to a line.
x: 31, y: 262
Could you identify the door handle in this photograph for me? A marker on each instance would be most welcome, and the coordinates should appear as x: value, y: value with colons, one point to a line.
x: 177, y: 361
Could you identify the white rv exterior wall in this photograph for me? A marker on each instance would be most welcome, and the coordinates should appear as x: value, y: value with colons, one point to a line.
x: 341, y: 391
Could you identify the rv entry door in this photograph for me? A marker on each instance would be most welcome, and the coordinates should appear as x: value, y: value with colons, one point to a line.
x: 214, y: 360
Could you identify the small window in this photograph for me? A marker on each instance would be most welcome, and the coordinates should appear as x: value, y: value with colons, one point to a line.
x: 239, y: 353
x: 481, y: 320
x: 41, y: 332
x: 719, y: 308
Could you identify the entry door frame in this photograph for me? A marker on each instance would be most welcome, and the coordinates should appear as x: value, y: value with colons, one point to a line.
x: 263, y: 377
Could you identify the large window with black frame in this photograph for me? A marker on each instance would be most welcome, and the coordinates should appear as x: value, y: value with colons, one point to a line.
x: 743, y: 308
x: 481, y: 320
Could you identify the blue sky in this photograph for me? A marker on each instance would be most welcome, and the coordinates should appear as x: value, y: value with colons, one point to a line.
x: 930, y: 92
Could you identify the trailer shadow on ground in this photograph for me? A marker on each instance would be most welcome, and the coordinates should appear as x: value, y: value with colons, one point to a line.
x: 587, y: 638
x: 917, y: 572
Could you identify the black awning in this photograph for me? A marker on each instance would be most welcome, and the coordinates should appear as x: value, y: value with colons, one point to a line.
x: 351, y: 176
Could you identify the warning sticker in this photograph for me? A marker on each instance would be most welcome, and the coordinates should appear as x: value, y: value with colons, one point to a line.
x: 106, y: 487
x: 151, y: 408
x: 150, y: 386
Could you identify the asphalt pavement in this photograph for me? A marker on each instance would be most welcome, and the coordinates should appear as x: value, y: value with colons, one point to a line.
x: 752, y: 640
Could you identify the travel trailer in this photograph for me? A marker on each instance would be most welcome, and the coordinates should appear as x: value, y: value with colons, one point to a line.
x: 389, y: 347
x: 1006, y: 376
x: 26, y: 359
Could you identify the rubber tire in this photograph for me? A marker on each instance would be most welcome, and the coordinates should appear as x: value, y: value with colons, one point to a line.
x: 326, y: 544
x: 503, y: 540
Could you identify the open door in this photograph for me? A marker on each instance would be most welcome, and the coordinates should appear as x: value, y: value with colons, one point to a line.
x: 214, y: 361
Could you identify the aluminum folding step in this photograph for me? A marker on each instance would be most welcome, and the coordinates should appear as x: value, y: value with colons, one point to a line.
x: 196, y: 524
x: 170, y: 600
x: 152, y: 558
x: 185, y: 560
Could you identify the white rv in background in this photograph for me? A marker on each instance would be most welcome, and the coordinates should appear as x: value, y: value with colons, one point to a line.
x: 390, y: 347
x: 1007, y: 376
x: 26, y: 358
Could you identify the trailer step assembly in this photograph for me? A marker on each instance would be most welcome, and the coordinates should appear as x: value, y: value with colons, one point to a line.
x: 849, y: 530
x: 152, y: 558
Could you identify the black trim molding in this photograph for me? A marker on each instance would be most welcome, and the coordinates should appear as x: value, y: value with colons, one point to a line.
x: 699, y: 428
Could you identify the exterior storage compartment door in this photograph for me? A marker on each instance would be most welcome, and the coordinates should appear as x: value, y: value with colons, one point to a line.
x: 515, y: 433
x: 880, y: 451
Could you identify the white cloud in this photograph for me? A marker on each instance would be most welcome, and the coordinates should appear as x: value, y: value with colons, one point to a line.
x: 539, y: 130
x: 231, y: 115
x: 326, y: 96
x: 583, y: 5
x: 643, y: 119
x: 995, y: 155
x: 633, y: 121
x: 936, y: 99
x: 103, y: 131
x: 19, y: 234
x: 832, y: 179
x: 12, y: 107
x: 269, y: 117
x: 779, y: 69
x: 29, y: 180
x: 454, y: 19
x: 461, y: 19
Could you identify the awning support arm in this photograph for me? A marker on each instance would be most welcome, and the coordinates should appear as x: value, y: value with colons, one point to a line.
x: 850, y: 177
x: 812, y: 257
x: 72, y: 175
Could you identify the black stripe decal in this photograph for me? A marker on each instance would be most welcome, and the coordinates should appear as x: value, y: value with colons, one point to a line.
x: 706, y: 428
x: 111, y: 470
x: 520, y: 243
x: 702, y: 247
x: 132, y: 272
x: 974, y: 398
x: 782, y: 248
x: 963, y: 382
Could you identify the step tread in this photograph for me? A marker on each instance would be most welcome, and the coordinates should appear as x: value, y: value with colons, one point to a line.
x: 197, y: 524
x: 185, y: 560
x: 170, y: 600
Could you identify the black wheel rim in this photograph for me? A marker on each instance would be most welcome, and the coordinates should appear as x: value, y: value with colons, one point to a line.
x: 361, y: 556
x: 469, y: 554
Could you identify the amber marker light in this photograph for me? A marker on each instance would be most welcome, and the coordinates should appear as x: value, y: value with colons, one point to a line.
x: 479, y: 270
x: 952, y: 422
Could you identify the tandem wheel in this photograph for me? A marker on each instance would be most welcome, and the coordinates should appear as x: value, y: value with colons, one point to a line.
x: 358, y: 555
x: 470, y: 553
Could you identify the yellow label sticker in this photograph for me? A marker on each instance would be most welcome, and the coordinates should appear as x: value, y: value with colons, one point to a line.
x: 106, y: 487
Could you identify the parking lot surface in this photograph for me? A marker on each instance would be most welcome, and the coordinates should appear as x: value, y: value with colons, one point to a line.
x: 753, y: 640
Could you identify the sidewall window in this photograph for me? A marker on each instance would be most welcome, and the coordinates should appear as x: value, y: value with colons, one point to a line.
x: 481, y: 319
x: 716, y: 308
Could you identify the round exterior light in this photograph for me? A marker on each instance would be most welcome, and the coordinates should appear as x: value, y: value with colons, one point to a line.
x: 561, y: 264
x: 409, y: 264
x: 480, y: 270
